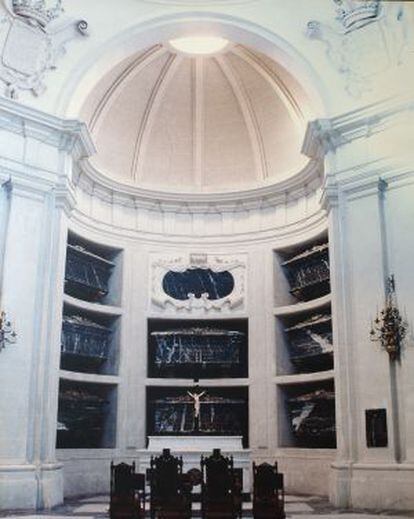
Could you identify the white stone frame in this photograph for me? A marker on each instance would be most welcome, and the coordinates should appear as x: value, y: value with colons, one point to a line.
x: 235, y: 264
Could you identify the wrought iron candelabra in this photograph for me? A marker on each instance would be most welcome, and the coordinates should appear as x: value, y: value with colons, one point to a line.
x: 7, y: 333
x: 389, y: 328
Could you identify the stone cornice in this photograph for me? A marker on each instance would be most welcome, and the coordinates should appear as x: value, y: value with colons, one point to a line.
x: 308, y: 179
x: 65, y: 197
x: 39, y: 189
x: 72, y: 136
x: 286, y: 234
x: 325, y: 136
x: 365, y: 180
x: 67, y: 135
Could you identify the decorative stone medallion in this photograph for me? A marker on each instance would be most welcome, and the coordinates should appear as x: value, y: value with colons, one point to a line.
x: 198, y: 282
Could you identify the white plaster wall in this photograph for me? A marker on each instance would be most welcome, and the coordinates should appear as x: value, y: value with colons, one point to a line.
x: 138, y: 249
x: 400, y: 211
x: 367, y: 189
x: 266, y: 24
x: 253, y: 222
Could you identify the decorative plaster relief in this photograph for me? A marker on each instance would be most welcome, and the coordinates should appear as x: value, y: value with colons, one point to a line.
x: 368, y: 38
x: 162, y: 265
x: 31, y: 41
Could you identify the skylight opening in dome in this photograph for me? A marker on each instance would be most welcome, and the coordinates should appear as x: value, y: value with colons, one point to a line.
x: 200, y: 45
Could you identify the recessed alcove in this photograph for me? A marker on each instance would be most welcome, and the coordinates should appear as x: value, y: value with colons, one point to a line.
x: 224, y: 411
x: 89, y: 341
x: 198, y: 348
x: 93, y: 271
x: 89, y: 345
x: 304, y: 340
x: 301, y: 272
x: 304, y: 349
x: 86, y: 415
x: 306, y: 415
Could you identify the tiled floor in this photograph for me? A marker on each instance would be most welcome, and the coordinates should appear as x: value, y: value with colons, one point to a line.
x: 297, y: 507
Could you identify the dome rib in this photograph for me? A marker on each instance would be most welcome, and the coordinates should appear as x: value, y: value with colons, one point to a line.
x: 197, y: 123
x: 154, y: 101
x: 135, y: 67
x: 197, y: 94
x: 249, y: 115
x: 275, y: 82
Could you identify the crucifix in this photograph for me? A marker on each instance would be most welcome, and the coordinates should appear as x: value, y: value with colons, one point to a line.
x: 196, y: 396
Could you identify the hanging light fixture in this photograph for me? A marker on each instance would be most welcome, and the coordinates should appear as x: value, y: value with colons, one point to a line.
x: 388, y: 327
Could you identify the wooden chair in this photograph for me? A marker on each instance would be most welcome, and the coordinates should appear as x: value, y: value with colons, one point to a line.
x: 268, y: 492
x: 220, y: 493
x: 127, y: 500
x: 170, y: 493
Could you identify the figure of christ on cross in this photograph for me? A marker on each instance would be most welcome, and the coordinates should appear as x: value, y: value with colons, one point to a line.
x: 196, y: 396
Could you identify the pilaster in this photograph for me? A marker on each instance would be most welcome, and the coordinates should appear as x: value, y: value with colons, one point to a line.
x: 368, y: 163
x: 36, y: 154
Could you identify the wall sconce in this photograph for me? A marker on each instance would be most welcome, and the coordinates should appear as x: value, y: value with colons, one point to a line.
x: 389, y: 328
x: 7, y: 333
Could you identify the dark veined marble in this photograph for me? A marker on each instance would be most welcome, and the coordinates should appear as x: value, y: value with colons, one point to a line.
x: 376, y: 427
x: 83, y: 337
x: 198, y: 349
x: 308, y: 273
x: 87, y: 275
x: 222, y: 411
x: 310, y: 343
x: 198, y: 346
x: 85, y: 344
x: 216, y: 285
x: 81, y: 416
x: 312, y: 417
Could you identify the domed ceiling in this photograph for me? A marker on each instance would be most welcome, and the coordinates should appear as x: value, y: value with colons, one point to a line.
x: 166, y: 120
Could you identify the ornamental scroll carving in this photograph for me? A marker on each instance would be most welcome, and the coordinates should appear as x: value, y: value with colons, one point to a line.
x: 207, y: 270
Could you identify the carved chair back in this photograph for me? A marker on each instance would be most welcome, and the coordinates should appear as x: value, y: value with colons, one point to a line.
x: 166, y: 472
x: 127, y: 499
x: 219, y: 477
x: 268, y: 492
x: 219, y: 489
x: 169, y: 491
x: 121, y: 479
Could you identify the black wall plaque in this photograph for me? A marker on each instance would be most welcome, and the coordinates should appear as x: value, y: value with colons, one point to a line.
x: 197, y: 281
x: 376, y: 427
x: 197, y: 348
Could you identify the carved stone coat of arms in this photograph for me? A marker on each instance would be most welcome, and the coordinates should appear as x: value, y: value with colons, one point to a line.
x: 33, y: 35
